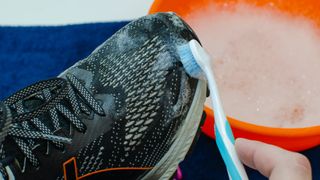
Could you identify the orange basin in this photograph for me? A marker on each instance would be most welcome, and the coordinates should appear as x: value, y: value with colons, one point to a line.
x: 295, y: 139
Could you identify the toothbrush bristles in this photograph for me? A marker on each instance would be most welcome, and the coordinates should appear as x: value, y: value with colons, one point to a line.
x: 189, y: 62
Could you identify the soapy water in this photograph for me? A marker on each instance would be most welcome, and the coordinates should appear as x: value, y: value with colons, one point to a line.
x: 266, y: 63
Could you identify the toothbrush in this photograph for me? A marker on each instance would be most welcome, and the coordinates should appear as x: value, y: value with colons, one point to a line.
x: 196, y: 62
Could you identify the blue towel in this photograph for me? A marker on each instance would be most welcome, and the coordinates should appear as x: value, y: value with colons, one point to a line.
x: 30, y: 54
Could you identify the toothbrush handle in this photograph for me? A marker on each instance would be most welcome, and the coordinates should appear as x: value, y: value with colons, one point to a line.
x: 224, y: 136
x: 234, y: 166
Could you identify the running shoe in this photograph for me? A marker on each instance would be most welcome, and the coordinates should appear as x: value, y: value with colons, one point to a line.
x: 127, y: 111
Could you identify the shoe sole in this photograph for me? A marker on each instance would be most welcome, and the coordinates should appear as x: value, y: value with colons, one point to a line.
x: 167, y: 166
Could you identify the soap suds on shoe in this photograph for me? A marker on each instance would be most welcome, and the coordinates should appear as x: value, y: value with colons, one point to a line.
x: 185, y: 92
x: 266, y: 63
x: 164, y: 61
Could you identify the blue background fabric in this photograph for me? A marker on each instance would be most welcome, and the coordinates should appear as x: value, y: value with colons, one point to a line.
x: 30, y: 54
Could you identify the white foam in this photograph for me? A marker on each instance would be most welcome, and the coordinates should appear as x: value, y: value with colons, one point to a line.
x: 176, y: 21
x: 266, y: 64
x: 184, y: 97
x: 124, y: 40
x: 164, y: 61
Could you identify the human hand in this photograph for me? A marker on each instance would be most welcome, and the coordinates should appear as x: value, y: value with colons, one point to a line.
x: 272, y: 161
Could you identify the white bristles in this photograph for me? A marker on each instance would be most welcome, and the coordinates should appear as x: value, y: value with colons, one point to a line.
x: 189, y: 62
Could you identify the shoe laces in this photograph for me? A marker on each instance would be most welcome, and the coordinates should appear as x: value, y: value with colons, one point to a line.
x: 39, y: 111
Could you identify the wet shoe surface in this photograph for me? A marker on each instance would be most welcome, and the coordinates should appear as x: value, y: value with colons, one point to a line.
x: 116, y: 114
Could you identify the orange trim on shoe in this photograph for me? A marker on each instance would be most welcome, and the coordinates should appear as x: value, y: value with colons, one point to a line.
x: 115, y: 169
x: 73, y: 160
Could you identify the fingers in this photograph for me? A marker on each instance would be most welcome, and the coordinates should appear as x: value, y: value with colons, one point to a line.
x: 273, y: 162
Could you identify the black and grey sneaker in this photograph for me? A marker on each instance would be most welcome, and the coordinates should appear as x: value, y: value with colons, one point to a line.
x: 128, y: 111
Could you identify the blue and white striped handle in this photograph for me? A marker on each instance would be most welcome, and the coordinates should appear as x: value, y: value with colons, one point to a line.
x: 226, y: 147
x: 223, y: 133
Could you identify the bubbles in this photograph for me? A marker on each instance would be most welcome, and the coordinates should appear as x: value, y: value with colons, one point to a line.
x: 126, y: 40
x: 164, y: 61
x: 266, y: 63
x: 184, y: 96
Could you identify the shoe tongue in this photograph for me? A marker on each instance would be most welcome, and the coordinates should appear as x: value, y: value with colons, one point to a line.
x: 27, y: 104
x: 35, y: 100
x: 32, y: 103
